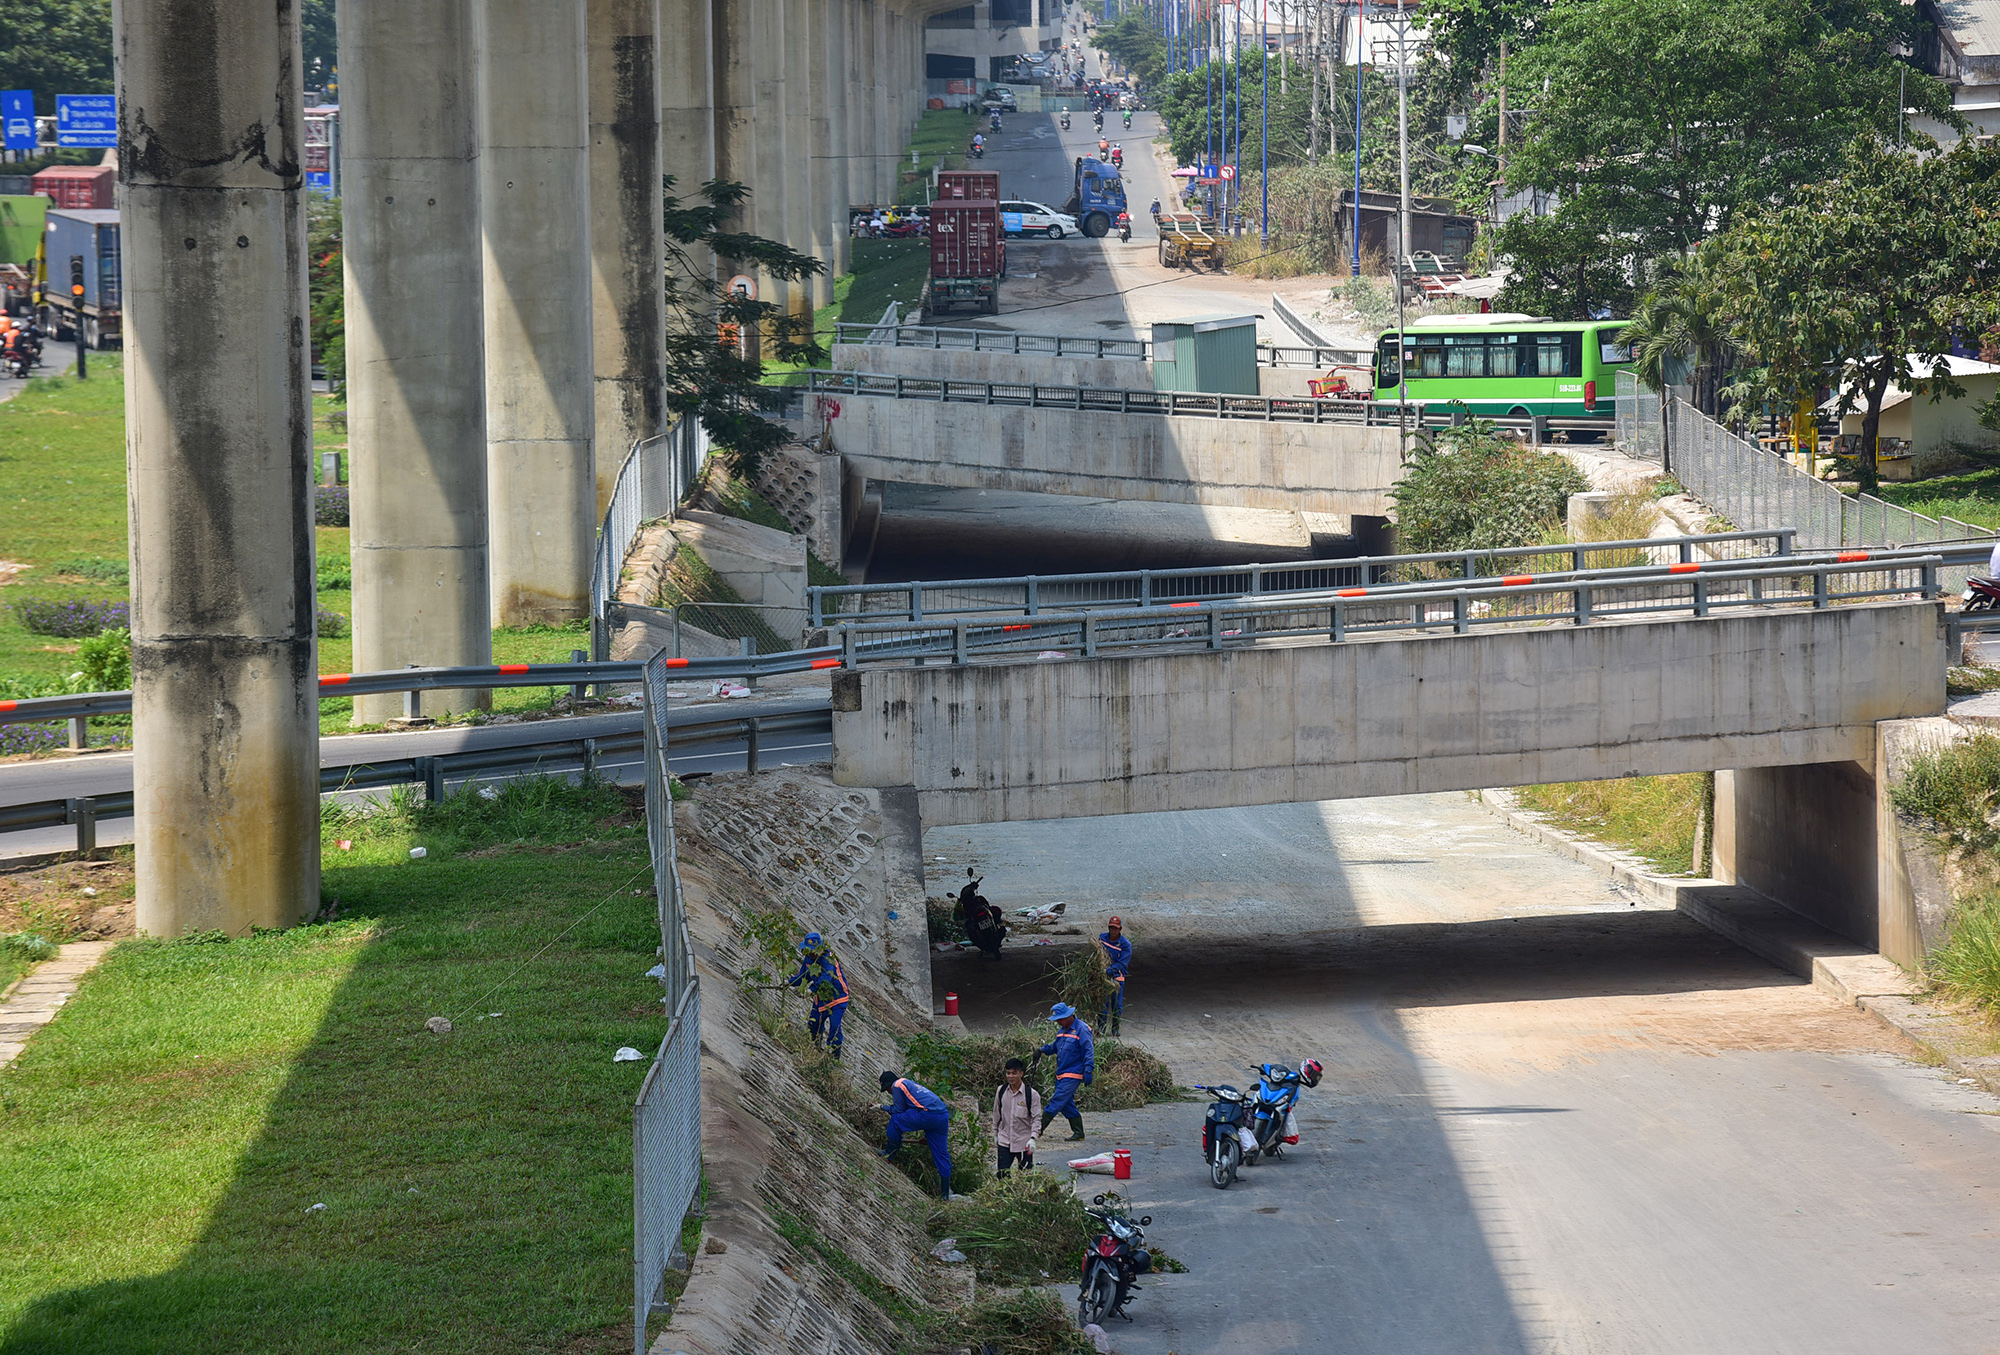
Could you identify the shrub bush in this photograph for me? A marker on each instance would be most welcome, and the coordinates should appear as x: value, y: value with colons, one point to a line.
x: 71, y: 618
x: 16, y: 739
x: 1468, y: 489
x: 94, y: 567
x: 330, y: 505
x: 1952, y: 789
x: 107, y: 661
x: 1967, y: 965
x: 328, y: 624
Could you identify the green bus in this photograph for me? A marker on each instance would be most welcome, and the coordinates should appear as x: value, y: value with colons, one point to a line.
x: 1506, y: 366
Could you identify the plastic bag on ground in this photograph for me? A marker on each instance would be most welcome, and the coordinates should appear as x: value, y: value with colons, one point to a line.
x: 1100, y: 1163
x: 1247, y: 1139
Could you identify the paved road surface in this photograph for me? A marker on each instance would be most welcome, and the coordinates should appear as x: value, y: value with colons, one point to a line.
x: 1554, y: 1121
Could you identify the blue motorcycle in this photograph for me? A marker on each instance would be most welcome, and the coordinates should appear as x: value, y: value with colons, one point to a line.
x: 1270, y: 1111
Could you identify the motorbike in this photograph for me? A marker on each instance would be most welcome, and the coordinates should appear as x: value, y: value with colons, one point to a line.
x: 1098, y: 119
x: 19, y: 362
x: 1128, y: 119
x: 994, y: 123
x: 1065, y: 120
x: 1112, y: 1262
x: 1124, y: 225
x: 1118, y: 157
x: 1271, y: 1123
x: 1225, y: 1136
x: 978, y: 151
x: 1981, y: 594
x: 985, y: 926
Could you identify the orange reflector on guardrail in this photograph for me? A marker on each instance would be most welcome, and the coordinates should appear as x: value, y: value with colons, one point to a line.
x: 513, y: 668
x: 334, y: 679
x: 1848, y: 557
x: 1184, y: 604
x: 676, y: 663
x: 826, y: 663
x: 1018, y: 625
x: 1682, y: 569
x: 1516, y: 580
x: 8, y: 705
x: 1352, y: 593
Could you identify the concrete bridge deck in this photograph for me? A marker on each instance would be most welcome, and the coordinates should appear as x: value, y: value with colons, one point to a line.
x: 990, y: 742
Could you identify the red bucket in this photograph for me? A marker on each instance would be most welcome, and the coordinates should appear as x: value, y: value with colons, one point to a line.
x: 951, y: 1004
x: 1121, y: 1164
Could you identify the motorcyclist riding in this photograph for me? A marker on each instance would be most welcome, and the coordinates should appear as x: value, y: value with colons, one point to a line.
x: 1065, y: 120
x: 1128, y: 119
x: 994, y: 121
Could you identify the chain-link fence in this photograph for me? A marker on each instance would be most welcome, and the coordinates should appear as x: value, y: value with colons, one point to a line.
x: 1636, y: 417
x: 1757, y: 489
x: 666, y: 1120
x: 657, y: 474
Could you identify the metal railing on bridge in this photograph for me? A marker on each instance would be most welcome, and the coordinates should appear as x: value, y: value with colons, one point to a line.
x: 1028, y: 594
x: 657, y: 474
x: 1691, y: 589
x: 951, y: 338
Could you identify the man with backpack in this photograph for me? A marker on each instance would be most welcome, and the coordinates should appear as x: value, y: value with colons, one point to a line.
x: 1016, y: 1107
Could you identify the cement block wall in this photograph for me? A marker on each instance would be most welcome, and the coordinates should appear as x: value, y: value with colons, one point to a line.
x: 999, y: 741
x: 1038, y: 368
x: 1324, y: 468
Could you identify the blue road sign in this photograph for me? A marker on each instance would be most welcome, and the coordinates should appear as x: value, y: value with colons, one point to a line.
x: 86, y: 119
x: 17, y: 115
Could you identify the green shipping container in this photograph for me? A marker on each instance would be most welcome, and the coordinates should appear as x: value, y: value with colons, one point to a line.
x: 1214, y: 353
x: 21, y: 223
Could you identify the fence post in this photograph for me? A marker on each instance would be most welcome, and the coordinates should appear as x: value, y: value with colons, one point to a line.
x: 1583, y: 604
x: 1819, y: 588
x: 1339, y: 621
x: 79, y: 731
x: 750, y: 745
x: 589, y: 758
x: 1145, y: 588
x: 813, y: 609
x: 430, y: 771
x: 958, y: 641
x: 748, y: 646
x: 576, y: 688
x: 413, y: 700
x: 1459, y: 622
x: 1090, y: 635
x: 847, y: 646
x: 83, y: 813
x: 1034, y: 595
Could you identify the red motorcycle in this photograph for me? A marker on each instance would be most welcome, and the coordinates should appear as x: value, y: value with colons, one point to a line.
x: 1124, y: 225
x: 1112, y: 1262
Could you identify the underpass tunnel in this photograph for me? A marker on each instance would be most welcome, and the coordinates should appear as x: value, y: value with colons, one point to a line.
x: 1556, y: 1115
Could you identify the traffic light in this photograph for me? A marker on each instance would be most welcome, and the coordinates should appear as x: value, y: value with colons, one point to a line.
x: 76, y: 277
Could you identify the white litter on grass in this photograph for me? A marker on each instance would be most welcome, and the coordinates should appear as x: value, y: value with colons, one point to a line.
x: 627, y: 1054
x: 1052, y: 654
x: 418, y: 853
x: 947, y: 1251
x: 492, y: 1016
x: 489, y: 792
x: 658, y: 971
x: 1967, y: 1082
x: 313, y: 1207
x: 438, y: 1025
x: 89, y: 893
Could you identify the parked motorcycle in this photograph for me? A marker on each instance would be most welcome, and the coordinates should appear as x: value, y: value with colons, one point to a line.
x: 1981, y: 594
x: 1112, y: 1262
x: 1271, y: 1122
x: 1225, y: 1136
x: 985, y: 926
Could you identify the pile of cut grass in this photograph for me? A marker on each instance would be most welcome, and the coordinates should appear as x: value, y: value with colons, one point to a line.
x: 167, y: 1142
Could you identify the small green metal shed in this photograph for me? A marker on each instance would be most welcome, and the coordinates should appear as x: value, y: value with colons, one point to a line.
x: 1216, y: 353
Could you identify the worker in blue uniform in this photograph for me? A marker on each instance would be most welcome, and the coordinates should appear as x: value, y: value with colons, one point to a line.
x: 1076, y: 1066
x: 827, y: 985
x: 1117, y: 963
x: 913, y: 1107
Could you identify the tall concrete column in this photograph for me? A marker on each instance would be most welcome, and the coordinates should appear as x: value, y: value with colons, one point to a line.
x: 415, y: 367
x: 771, y: 166
x: 833, y: 24
x: 219, y: 448
x: 884, y: 122
x: 801, y: 69
x: 534, y: 183
x: 627, y: 229
x: 688, y: 102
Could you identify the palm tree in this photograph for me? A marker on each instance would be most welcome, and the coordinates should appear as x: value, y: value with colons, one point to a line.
x: 1679, y: 324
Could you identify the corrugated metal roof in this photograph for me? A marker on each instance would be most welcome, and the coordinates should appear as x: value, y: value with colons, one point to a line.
x: 1974, y: 25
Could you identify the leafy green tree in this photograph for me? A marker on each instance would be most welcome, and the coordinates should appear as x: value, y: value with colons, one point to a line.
x: 707, y: 376
x: 1867, y: 279
x: 326, y: 289
x: 1469, y: 489
x: 55, y: 47
x: 1655, y: 122
x: 319, y: 36
x: 1679, y: 328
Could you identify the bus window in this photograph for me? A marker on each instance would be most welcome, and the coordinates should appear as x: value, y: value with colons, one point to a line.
x: 1424, y: 361
x: 1465, y: 355
x: 1387, y: 372
x: 1611, y: 350
x: 1558, y: 355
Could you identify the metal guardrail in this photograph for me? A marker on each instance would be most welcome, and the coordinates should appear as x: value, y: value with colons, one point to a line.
x: 1029, y: 594
x: 968, y: 340
x: 526, y: 757
x: 28, y: 710
x: 1694, y: 589
x: 666, y: 1117
x: 657, y: 474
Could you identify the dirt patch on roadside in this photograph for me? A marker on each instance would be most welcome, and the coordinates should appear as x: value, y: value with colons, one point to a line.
x: 70, y: 900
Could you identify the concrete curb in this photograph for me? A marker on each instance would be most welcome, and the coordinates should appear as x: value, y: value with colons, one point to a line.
x: 1850, y: 974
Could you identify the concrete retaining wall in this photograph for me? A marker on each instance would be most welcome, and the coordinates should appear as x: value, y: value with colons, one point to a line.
x: 951, y: 364
x: 993, y: 742
x: 1322, y: 468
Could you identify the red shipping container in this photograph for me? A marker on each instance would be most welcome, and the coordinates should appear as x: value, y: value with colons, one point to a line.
x: 969, y: 184
x: 78, y: 187
x: 965, y: 239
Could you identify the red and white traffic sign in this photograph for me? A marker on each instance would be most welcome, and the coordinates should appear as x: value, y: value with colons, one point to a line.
x: 1228, y: 172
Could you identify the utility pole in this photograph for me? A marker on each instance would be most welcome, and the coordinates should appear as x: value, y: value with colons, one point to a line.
x: 1360, y: 32
x: 1399, y: 46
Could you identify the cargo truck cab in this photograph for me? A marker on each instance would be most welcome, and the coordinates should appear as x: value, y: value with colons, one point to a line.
x: 1097, y: 196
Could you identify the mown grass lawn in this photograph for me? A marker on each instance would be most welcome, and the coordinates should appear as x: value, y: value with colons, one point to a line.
x: 1973, y: 497
x: 63, y: 518
x: 165, y: 1143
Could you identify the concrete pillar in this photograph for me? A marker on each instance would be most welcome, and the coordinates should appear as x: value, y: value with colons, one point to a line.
x: 688, y: 103
x: 800, y: 147
x: 884, y: 122
x: 627, y: 227
x: 415, y: 367
x: 535, y: 220
x: 808, y: 125
x: 835, y: 25
x: 219, y: 444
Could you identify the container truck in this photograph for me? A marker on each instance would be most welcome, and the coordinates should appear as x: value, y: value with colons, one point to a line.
x: 968, y: 257
x: 92, y: 238
x: 77, y: 187
x: 981, y: 185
